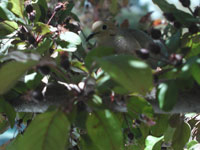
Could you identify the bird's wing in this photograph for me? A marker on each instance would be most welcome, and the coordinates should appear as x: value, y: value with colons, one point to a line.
x: 142, y: 38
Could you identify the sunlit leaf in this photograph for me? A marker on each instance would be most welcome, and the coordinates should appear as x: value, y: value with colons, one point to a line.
x: 17, y: 6
x: 70, y: 37
x: 133, y: 74
x: 4, y: 12
x: 41, y: 28
x: 151, y: 142
x: 191, y: 144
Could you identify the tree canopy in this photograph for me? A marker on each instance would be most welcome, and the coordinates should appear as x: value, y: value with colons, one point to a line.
x: 64, y: 92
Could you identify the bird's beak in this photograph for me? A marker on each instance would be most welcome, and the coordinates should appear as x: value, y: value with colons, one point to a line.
x: 91, y: 36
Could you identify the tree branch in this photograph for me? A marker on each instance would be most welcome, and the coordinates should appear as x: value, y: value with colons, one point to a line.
x: 59, y: 95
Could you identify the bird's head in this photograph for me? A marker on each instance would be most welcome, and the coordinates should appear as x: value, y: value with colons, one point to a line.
x: 102, y: 29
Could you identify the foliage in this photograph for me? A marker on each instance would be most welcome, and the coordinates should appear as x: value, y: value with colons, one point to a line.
x: 99, y: 97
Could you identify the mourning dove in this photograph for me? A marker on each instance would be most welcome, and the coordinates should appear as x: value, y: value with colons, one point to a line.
x: 123, y: 40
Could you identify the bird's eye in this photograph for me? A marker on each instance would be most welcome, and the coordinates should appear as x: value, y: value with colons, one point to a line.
x: 104, y: 27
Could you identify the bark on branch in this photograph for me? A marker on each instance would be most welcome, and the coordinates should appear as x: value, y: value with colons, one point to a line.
x: 59, y: 95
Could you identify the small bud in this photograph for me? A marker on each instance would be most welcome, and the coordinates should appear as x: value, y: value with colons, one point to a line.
x: 177, y: 24
x: 155, y: 33
x: 137, y: 122
x: 31, y: 39
x: 31, y: 16
x: 23, y: 29
x: 176, y: 59
x: 65, y: 63
x: 155, y: 78
x: 51, y: 50
x: 197, y: 12
x: 130, y: 135
x: 45, y: 70
x: 193, y: 28
x: 142, y: 53
x: 22, y: 36
x: 29, y: 8
x: 37, y: 95
x: 58, y: 7
x: 154, y: 48
x: 81, y: 106
x: 185, y: 3
x: 169, y: 17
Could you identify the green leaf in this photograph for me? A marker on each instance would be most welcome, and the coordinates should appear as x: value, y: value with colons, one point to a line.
x: 167, y: 95
x: 173, y: 42
x: 5, y: 13
x: 180, y: 16
x: 48, y: 131
x: 169, y: 134
x: 137, y: 105
x: 41, y: 28
x: 181, y: 136
x: 97, y: 53
x: 70, y: 37
x: 7, y: 27
x: 11, y: 72
x: 87, y: 144
x: 191, y: 144
x: 152, y: 141
x: 104, y: 130
x: 195, y: 147
x: 133, y: 74
x: 65, y: 13
x: 43, y: 8
x: 195, y: 70
x: 4, y: 124
x: 175, y: 120
x: 17, y: 6
x: 13, y: 145
x: 114, y: 6
x: 45, y: 46
x: 161, y: 124
x: 6, y: 108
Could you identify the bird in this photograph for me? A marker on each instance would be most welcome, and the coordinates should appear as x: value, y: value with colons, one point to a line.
x: 123, y: 40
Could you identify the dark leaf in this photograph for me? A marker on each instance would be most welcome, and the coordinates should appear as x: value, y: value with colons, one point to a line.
x: 138, y: 105
x: 97, y: 53
x: 179, y: 15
